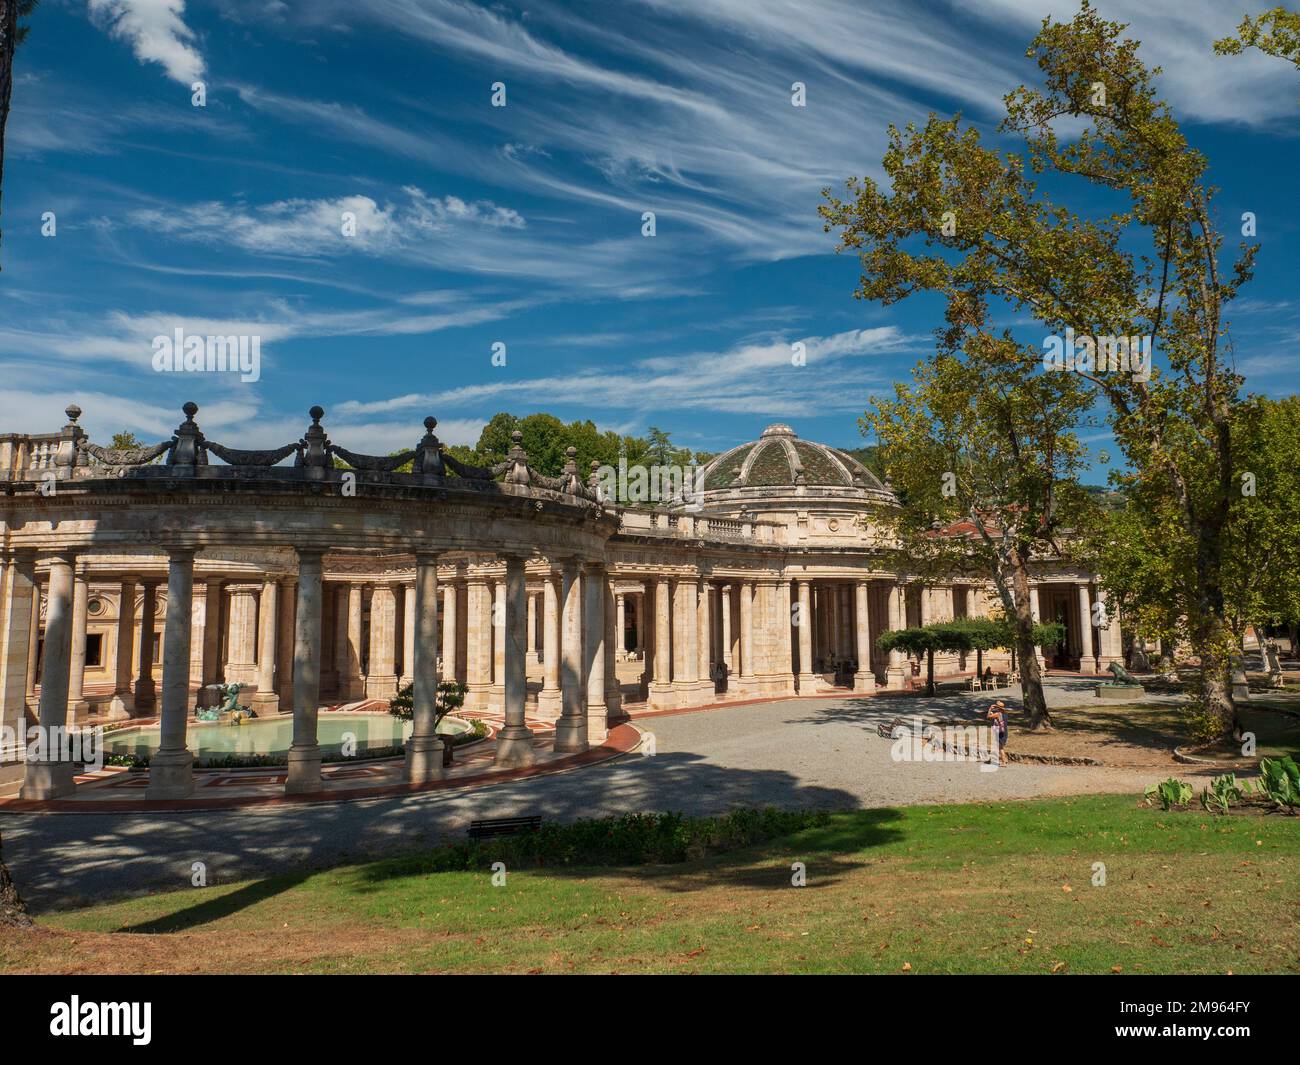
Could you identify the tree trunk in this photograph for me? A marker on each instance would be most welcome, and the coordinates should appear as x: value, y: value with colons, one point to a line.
x: 12, y: 911
x: 1213, y: 641
x: 929, y: 672
x: 8, y: 42
x: 1031, y: 678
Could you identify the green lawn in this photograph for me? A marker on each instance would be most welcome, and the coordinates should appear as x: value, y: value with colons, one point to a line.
x: 974, y: 888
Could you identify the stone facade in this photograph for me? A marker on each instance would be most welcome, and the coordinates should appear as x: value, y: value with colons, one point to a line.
x: 128, y: 582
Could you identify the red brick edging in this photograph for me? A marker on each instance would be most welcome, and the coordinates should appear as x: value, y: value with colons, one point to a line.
x: 622, y: 740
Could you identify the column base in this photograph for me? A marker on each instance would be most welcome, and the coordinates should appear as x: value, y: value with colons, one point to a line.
x: 304, y: 770
x: 381, y: 687
x: 496, y: 699
x: 352, y: 689
x: 806, y: 683
x: 864, y: 682
x: 896, y: 679
x: 171, y: 775
x: 661, y: 696
x: 121, y: 706
x: 515, y: 746
x: 424, y: 759
x: 48, y: 780
x: 597, y: 725
x: 571, y: 735
x: 1087, y: 665
x: 548, y: 704
x: 146, y: 695
x: 264, y: 703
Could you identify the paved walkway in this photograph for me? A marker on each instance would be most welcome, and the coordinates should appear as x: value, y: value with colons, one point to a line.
x: 792, y: 753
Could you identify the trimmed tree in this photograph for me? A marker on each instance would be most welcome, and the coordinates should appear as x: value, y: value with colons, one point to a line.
x: 983, y: 453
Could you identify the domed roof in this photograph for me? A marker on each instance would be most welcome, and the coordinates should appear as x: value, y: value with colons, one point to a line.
x: 779, y: 459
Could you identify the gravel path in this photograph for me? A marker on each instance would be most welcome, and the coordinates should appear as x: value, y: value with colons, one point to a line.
x: 796, y: 753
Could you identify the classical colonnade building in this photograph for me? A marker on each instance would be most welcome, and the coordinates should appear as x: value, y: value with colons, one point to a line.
x: 317, y: 576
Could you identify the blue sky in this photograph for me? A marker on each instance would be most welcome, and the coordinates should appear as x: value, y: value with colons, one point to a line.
x: 522, y: 225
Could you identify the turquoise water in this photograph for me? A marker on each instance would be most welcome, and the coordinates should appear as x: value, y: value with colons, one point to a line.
x: 212, y: 739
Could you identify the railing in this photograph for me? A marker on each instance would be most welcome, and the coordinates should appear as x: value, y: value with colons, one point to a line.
x: 692, y: 526
x: 70, y: 454
x: 20, y: 452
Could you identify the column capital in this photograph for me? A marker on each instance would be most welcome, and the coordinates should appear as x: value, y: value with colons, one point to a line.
x: 64, y: 555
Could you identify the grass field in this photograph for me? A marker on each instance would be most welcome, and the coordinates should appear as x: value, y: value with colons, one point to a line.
x: 974, y: 888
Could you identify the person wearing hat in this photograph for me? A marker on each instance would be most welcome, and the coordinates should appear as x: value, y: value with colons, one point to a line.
x: 998, y: 715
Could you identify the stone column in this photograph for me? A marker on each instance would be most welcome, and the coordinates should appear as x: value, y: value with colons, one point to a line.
x: 497, y: 692
x: 704, y: 640
x: 807, y: 679
x: 123, y: 701
x: 532, y: 629
x: 304, y: 753
x: 145, y: 695
x: 613, y: 635
x: 449, y: 632
x: 724, y: 608
x: 1087, y: 653
x: 478, y: 644
x: 211, y: 629
x: 265, y: 700
x: 747, y: 632
x: 661, y: 686
x: 77, y: 703
x: 424, y: 748
x: 571, y: 728
x: 620, y: 626
x: 241, y: 636
x: 50, y: 776
x: 34, y: 644
x: 896, y: 674
x: 1112, y: 641
x: 284, y: 655
x: 409, y: 613
x: 639, y: 606
x: 19, y: 586
x: 686, y: 644
x: 381, y: 678
x: 784, y: 638
x: 593, y: 648
x: 548, y: 700
x: 515, y: 740
x: 171, y: 768
x: 342, y: 655
x: 356, y: 684
x: 864, y: 680
x: 1034, y: 613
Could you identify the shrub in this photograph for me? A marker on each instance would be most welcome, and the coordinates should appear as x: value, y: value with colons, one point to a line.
x: 1170, y: 793
x: 449, y: 696
x: 1279, y: 782
x: 629, y: 839
x: 1221, y: 793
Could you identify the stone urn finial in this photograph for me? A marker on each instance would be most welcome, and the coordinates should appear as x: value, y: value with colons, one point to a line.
x: 73, y: 412
x: 187, y: 442
x: 315, y: 453
x: 428, y: 454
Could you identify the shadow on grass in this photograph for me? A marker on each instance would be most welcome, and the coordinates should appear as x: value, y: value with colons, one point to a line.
x: 214, y: 909
x: 829, y: 843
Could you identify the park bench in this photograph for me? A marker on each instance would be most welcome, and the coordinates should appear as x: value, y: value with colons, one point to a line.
x: 490, y: 828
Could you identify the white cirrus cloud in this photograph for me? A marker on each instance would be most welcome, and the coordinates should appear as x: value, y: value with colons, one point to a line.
x: 156, y: 31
